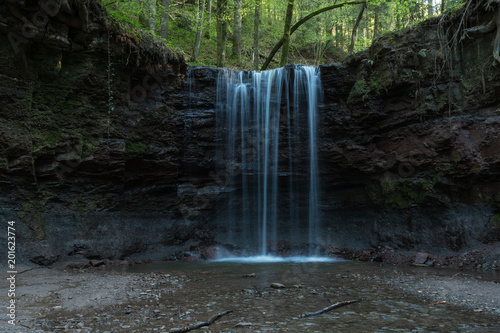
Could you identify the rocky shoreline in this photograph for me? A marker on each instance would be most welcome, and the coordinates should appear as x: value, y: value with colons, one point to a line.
x: 483, y: 258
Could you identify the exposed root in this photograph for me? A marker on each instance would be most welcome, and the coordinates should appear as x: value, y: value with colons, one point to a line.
x: 493, y: 24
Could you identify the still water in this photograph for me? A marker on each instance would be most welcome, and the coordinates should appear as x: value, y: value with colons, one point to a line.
x: 207, y: 288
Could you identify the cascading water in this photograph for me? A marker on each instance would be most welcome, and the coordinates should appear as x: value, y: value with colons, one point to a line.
x: 267, y: 156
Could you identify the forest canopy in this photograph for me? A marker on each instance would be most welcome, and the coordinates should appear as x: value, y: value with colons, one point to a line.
x: 243, y: 33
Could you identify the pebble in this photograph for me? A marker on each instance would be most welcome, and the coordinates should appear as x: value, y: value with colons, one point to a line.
x: 277, y: 285
x: 243, y: 324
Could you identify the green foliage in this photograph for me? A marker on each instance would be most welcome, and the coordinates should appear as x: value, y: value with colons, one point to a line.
x: 324, y: 38
x: 359, y: 91
x: 380, y: 82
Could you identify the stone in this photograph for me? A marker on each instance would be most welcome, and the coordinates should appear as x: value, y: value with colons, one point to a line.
x: 243, y: 324
x: 335, y: 251
x: 276, y: 285
x: 379, y: 257
x: 420, y: 258
x: 97, y: 263
x: 209, y: 253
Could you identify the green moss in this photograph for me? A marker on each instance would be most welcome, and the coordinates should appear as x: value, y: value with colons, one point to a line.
x: 133, y: 149
x: 52, y: 138
x: 429, y: 104
x: 438, y: 177
x: 359, y: 92
x: 379, y: 82
x: 46, y: 139
x: 472, y: 80
x: 495, y: 221
x: 32, y: 214
x: 474, y: 77
x: 455, y: 156
x: 89, y: 146
x: 404, y: 193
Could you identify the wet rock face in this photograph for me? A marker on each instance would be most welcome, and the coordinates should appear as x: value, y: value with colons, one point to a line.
x: 414, y: 147
x: 91, y: 140
x: 409, y: 153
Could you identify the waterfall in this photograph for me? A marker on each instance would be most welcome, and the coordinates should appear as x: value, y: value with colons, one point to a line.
x: 267, y: 158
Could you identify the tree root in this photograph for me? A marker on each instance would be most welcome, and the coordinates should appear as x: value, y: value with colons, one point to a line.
x: 488, y: 27
x: 199, y: 325
x: 328, y: 308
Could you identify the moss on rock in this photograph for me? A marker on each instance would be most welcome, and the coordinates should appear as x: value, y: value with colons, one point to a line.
x: 134, y: 148
x: 404, y: 193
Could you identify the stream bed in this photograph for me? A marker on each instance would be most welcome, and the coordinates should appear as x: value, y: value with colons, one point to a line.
x: 160, y: 296
x: 213, y: 287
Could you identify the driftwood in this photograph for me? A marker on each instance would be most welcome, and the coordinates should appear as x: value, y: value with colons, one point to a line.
x: 328, y: 308
x: 198, y: 325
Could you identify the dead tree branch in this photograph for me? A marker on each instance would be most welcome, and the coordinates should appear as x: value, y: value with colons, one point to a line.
x: 199, y: 325
x: 328, y: 308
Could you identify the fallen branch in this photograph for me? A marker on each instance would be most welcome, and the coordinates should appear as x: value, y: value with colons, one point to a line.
x: 328, y: 308
x: 205, y: 323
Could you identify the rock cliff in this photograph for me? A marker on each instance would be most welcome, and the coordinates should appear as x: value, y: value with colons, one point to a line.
x: 107, y: 146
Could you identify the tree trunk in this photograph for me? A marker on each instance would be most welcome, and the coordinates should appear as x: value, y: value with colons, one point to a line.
x: 430, y: 8
x: 287, y: 33
x: 148, y: 15
x: 256, y: 35
x: 376, y: 24
x: 443, y: 6
x: 237, y: 31
x: 380, y: 18
x: 221, y: 32
x: 339, y: 35
x: 207, y: 33
x: 199, y: 29
x: 355, y: 29
x: 164, y: 19
x: 302, y: 21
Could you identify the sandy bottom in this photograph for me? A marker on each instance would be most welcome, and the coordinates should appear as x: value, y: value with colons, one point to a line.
x: 159, y: 297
